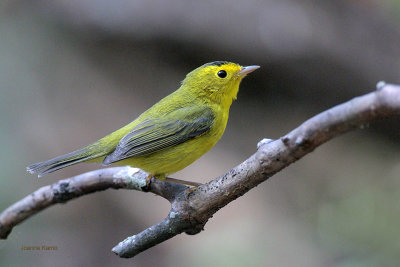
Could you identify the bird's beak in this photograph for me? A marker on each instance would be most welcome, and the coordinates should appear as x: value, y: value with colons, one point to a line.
x: 247, y: 69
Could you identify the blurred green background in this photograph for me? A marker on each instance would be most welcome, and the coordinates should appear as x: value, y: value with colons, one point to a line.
x: 73, y: 71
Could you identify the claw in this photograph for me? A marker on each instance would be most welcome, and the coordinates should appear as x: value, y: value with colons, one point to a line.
x: 148, y: 183
x: 190, y: 190
x: 179, y: 181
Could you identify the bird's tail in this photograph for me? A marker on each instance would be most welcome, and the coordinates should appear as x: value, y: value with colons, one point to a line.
x: 51, y: 165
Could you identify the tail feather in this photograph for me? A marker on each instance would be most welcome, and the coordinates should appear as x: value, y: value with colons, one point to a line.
x: 48, y: 166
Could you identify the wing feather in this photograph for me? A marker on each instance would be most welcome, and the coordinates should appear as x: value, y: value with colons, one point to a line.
x: 155, y: 134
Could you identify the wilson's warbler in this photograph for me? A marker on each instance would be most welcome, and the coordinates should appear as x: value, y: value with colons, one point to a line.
x: 171, y: 134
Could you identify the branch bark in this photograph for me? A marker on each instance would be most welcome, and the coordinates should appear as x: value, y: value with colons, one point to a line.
x: 191, y: 208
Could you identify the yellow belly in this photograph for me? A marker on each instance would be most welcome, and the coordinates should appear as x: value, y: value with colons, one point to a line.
x: 173, y: 159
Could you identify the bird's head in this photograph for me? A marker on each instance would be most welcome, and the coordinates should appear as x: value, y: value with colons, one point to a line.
x: 217, y: 81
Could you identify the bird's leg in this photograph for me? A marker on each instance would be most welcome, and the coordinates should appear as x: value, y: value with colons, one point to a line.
x: 148, y: 182
x: 178, y: 181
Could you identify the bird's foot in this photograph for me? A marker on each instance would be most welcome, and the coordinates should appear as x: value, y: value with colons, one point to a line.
x: 190, y: 190
x: 178, y: 181
x: 146, y: 188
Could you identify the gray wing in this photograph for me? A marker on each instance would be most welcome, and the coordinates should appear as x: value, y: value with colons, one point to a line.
x: 155, y: 134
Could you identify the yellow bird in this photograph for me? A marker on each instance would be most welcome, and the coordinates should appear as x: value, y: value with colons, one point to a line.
x: 171, y: 134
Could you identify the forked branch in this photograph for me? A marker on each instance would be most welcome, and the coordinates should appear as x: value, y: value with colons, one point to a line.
x: 191, y: 208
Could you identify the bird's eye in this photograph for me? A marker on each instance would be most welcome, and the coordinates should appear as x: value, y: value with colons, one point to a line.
x: 221, y: 74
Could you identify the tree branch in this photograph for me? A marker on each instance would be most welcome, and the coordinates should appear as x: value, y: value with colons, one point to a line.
x: 191, y: 208
x: 83, y: 184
